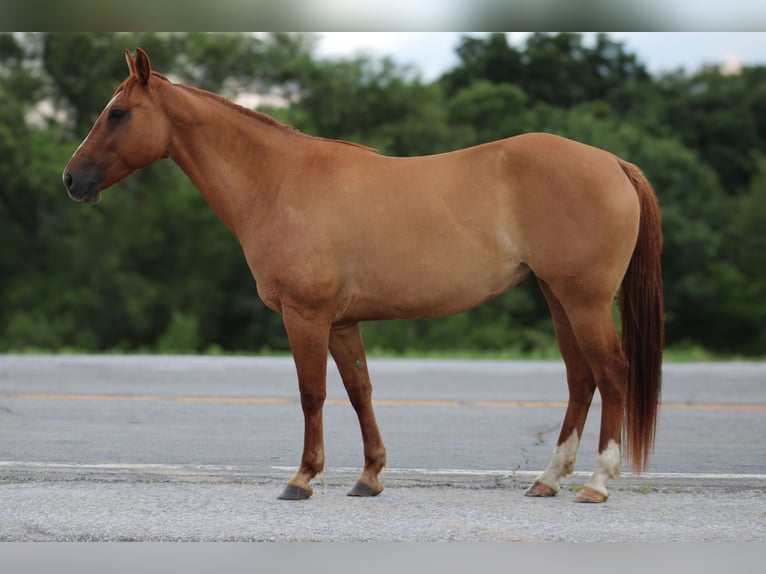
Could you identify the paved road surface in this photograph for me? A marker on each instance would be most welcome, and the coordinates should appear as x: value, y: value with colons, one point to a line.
x: 196, y: 448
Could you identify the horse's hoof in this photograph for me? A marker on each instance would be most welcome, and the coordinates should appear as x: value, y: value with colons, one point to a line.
x: 363, y: 489
x: 292, y: 492
x: 590, y: 495
x: 540, y: 489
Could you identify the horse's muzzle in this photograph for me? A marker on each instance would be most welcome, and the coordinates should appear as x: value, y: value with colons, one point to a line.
x: 85, y: 189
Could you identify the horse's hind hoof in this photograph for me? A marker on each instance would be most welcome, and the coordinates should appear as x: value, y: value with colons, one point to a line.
x: 540, y: 489
x: 363, y: 489
x: 292, y: 492
x: 590, y: 495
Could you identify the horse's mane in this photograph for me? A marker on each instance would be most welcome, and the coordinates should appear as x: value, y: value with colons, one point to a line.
x: 131, y: 81
x: 265, y: 118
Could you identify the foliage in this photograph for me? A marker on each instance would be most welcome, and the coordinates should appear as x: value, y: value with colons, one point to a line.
x: 151, y: 269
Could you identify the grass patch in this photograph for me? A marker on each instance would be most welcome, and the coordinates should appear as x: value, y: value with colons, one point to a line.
x: 647, y: 488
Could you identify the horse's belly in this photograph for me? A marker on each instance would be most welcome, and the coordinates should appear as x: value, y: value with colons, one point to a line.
x: 431, y: 292
x: 432, y: 253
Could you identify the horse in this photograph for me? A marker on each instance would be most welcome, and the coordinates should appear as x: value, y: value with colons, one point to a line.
x: 336, y: 233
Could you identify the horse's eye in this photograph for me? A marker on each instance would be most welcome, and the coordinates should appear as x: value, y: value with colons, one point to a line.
x: 117, y: 114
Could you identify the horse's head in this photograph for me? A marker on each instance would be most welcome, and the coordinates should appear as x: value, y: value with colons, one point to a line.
x: 132, y: 132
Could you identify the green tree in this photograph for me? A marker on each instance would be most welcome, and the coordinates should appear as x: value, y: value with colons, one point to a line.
x: 153, y: 269
x: 721, y: 117
x: 492, y: 59
x: 557, y: 69
x: 741, y: 289
x: 369, y: 101
x: 109, y: 277
x: 489, y: 111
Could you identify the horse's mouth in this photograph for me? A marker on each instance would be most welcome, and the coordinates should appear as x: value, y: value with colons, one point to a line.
x: 92, y: 195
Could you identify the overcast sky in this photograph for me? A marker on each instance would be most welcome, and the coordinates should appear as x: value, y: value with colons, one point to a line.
x: 433, y: 52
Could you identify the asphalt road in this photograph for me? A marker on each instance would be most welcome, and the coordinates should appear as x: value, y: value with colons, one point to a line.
x: 197, y: 448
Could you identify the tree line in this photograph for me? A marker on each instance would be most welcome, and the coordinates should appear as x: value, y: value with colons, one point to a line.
x: 151, y: 269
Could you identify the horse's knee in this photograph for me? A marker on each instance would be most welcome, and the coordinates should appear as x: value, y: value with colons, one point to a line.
x: 312, y: 401
x: 358, y: 388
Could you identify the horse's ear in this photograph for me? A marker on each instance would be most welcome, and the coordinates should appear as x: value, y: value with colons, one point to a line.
x: 131, y: 62
x: 143, y: 66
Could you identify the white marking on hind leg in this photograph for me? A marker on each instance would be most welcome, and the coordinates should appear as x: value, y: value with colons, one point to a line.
x: 562, y: 462
x: 608, y: 466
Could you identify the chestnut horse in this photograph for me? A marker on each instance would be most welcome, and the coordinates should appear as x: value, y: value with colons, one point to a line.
x: 335, y: 233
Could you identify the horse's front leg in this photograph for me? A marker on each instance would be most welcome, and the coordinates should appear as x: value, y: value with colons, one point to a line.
x: 308, y: 335
x: 348, y: 352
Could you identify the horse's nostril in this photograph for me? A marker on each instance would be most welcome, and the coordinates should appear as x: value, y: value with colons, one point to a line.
x: 68, y: 180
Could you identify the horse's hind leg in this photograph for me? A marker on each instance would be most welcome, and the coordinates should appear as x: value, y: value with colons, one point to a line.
x: 589, y: 311
x: 347, y: 350
x: 581, y: 388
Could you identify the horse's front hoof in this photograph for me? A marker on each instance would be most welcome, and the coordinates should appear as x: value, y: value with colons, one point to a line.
x: 363, y: 489
x: 590, y: 495
x: 292, y: 492
x: 540, y: 489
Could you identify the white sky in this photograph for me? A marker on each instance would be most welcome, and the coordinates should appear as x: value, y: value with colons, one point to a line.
x: 433, y: 52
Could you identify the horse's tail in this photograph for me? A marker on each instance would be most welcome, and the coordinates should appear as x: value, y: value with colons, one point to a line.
x: 643, y: 329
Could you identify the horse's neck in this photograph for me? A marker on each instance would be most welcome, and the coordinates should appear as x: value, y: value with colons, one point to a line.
x: 227, y: 153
